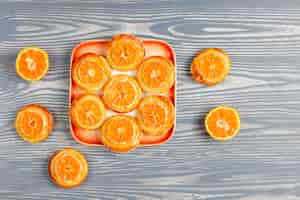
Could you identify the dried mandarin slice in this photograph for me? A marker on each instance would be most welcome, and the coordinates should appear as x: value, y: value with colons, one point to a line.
x: 122, y: 93
x: 87, y: 112
x: 125, y: 52
x: 156, y: 74
x: 91, y: 72
x: 120, y: 133
x: 32, y: 63
x: 156, y: 115
x: 211, y: 66
x: 34, y: 123
x: 68, y: 168
x: 222, y: 123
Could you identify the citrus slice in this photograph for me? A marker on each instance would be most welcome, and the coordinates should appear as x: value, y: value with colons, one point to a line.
x: 34, y: 123
x: 125, y: 52
x: 156, y: 115
x: 32, y: 63
x: 68, y: 168
x: 222, y: 123
x: 91, y: 72
x: 122, y: 93
x: 87, y: 112
x: 120, y: 133
x: 211, y: 66
x: 156, y: 74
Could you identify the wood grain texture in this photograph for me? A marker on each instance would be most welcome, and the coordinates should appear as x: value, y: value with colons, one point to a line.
x: 263, y: 39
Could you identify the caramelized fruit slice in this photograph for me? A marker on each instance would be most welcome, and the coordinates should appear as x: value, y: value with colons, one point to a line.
x: 32, y: 63
x: 34, y: 123
x: 87, y: 112
x: 156, y: 74
x: 125, y: 52
x: 120, y: 133
x: 156, y: 115
x: 68, y: 168
x: 122, y: 93
x: 211, y: 66
x: 222, y: 123
x: 91, y: 72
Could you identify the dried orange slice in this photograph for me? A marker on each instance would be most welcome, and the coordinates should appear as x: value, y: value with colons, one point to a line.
x: 34, y: 123
x: 68, y: 168
x: 32, y: 63
x: 156, y: 115
x: 122, y: 93
x: 87, y: 112
x: 125, y: 52
x: 222, y: 123
x: 91, y: 72
x: 120, y: 133
x: 156, y: 74
x: 211, y: 66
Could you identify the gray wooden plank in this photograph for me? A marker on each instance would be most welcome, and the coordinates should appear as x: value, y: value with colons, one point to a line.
x: 261, y: 163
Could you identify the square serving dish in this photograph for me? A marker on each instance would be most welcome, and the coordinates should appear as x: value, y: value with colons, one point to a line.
x: 99, y: 47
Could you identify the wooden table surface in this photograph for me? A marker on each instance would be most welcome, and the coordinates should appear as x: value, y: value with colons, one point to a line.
x: 263, y: 39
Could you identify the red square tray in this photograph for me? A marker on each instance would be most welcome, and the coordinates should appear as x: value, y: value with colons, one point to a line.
x: 99, y: 47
